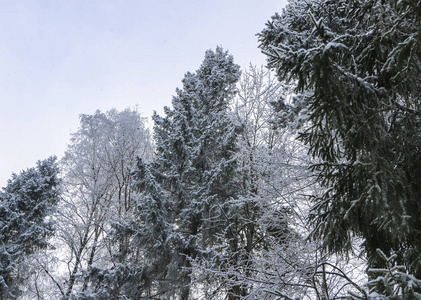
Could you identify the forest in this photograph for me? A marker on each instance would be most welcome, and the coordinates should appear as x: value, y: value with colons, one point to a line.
x: 300, y: 179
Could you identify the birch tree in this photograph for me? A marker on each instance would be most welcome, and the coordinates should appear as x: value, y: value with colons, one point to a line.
x: 97, y: 185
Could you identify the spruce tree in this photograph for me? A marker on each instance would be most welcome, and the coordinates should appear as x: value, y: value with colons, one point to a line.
x: 357, y: 67
x: 184, y: 193
x: 26, y: 205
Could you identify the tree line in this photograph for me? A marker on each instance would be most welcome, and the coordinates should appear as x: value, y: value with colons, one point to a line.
x: 301, y: 180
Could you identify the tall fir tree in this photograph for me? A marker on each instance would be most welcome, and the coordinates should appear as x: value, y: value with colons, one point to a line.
x: 356, y: 65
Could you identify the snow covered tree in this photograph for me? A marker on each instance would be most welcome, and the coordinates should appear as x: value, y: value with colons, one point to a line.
x: 97, y: 192
x: 184, y: 194
x: 272, y: 171
x: 356, y: 65
x: 26, y: 206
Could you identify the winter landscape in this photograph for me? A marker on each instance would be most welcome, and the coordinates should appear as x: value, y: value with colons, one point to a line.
x: 299, y: 179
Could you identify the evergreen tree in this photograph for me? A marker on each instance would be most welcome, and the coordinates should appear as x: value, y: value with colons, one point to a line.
x: 356, y: 65
x: 26, y: 206
x: 183, y: 207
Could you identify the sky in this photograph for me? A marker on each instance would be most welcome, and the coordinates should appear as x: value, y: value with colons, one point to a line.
x: 60, y: 59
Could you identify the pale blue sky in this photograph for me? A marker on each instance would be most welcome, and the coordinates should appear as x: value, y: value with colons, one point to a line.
x: 59, y: 59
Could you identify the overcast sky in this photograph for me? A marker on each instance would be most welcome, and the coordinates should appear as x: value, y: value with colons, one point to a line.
x: 59, y: 59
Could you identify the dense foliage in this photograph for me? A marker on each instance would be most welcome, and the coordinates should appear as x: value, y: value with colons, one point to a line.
x: 26, y: 206
x: 183, y: 205
x: 356, y: 65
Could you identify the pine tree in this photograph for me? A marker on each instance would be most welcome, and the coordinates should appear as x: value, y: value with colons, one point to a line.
x: 26, y: 206
x: 356, y: 65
